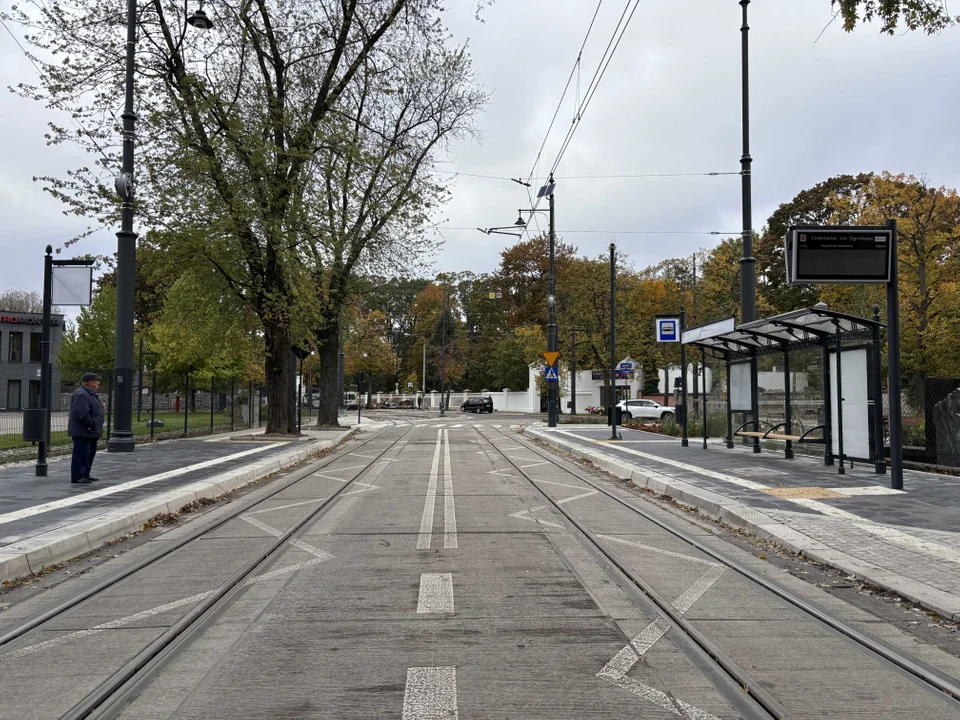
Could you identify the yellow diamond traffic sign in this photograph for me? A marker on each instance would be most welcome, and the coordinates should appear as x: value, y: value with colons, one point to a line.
x: 550, y: 357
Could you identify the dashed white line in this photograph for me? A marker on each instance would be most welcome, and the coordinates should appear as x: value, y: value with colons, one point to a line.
x: 430, y: 694
x: 449, y: 507
x: 429, y: 503
x: 436, y: 593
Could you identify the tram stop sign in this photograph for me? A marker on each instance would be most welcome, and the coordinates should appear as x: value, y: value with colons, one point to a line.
x: 853, y: 254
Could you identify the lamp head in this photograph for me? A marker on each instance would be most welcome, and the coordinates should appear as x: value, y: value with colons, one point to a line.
x: 199, y: 20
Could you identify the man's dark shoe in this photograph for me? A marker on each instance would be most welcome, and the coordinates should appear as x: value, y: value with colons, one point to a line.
x: 82, y: 481
x: 90, y: 477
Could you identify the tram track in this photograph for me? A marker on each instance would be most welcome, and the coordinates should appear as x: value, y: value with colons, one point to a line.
x: 760, y: 702
x: 113, y: 694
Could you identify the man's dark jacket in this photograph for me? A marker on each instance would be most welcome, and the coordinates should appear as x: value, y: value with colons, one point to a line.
x: 86, y: 414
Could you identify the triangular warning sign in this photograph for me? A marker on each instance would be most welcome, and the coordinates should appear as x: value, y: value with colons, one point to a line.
x: 550, y: 357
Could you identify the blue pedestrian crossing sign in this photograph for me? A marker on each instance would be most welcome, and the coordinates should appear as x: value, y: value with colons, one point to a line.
x: 550, y: 373
x: 668, y: 329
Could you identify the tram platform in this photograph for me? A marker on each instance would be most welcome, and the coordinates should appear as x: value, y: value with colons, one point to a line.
x: 48, y: 520
x: 905, y: 541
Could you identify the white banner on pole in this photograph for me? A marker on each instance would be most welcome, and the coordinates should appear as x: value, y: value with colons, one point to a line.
x: 72, y: 285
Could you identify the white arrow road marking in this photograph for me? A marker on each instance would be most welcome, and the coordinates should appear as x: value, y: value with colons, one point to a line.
x: 321, y: 557
x: 262, y: 525
x: 449, y: 508
x: 503, y: 472
x: 616, y: 670
x: 526, y: 515
x: 367, y: 488
x: 661, y: 551
x: 524, y: 467
x: 581, y: 496
x: 429, y: 502
x: 436, y: 593
x: 554, y: 482
x: 430, y: 694
x: 284, y: 507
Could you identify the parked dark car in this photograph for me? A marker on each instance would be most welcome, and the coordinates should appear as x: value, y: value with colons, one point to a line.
x: 477, y: 405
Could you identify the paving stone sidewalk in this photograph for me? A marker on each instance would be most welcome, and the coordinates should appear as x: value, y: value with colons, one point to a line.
x: 905, y: 541
x: 46, y: 520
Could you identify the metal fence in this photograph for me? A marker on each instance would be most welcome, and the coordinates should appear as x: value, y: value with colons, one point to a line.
x: 164, y: 407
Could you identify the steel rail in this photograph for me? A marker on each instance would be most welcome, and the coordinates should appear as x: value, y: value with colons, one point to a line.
x: 295, y: 477
x: 934, y: 678
x: 112, y: 696
x: 750, y: 700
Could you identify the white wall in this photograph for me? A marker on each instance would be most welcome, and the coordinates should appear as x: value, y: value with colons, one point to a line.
x: 673, y: 372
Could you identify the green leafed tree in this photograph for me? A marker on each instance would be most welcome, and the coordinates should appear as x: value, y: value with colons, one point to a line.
x: 930, y: 16
x: 242, y: 130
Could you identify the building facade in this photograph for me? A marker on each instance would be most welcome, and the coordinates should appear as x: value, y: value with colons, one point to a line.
x: 20, y: 335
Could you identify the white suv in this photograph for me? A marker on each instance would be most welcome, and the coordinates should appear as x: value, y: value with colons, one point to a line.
x: 647, y: 409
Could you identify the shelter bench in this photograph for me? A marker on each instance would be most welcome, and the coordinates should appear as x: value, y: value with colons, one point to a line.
x: 771, y: 434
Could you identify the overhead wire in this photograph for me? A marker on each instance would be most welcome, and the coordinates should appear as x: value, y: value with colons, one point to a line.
x: 591, y: 90
x: 566, y: 87
x: 40, y: 74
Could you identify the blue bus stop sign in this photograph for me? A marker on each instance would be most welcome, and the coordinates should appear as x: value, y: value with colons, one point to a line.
x: 668, y: 329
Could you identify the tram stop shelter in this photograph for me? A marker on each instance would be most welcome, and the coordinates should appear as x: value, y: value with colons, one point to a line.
x: 852, y: 413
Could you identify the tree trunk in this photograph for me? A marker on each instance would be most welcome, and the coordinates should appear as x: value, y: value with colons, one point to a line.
x: 328, y: 407
x: 281, y: 399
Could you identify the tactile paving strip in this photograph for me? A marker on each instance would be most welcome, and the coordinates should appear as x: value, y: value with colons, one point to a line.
x: 805, y: 493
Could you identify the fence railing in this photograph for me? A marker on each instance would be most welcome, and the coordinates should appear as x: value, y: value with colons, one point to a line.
x: 164, y: 407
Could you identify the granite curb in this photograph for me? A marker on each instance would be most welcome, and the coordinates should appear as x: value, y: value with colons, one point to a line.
x: 756, y: 522
x: 30, y: 556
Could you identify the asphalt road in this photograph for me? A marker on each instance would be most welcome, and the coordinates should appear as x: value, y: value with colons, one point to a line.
x: 441, y: 582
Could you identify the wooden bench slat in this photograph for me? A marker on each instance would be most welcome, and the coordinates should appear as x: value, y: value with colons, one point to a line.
x: 750, y: 433
x: 775, y: 436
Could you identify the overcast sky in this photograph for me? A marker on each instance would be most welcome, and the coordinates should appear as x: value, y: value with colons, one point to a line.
x: 669, y: 103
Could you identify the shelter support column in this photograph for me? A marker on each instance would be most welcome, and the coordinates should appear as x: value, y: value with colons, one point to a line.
x: 754, y: 400
x: 787, y: 409
x: 879, y: 462
x: 726, y: 360
x: 827, y: 413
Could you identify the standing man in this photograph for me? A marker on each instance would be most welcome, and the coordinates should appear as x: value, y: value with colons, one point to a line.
x: 85, y: 426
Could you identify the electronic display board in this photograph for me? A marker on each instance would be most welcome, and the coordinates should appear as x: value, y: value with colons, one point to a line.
x: 839, y: 254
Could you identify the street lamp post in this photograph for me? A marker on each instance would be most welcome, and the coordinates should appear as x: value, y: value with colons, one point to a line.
x: 553, y: 386
x: 443, y: 352
x: 121, y: 439
x: 748, y: 286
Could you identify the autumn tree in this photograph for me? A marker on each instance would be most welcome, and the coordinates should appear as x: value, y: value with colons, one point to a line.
x: 819, y: 205
x: 367, y: 349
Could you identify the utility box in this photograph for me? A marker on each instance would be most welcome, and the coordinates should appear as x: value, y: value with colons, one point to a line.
x: 617, y: 412
x: 34, y: 425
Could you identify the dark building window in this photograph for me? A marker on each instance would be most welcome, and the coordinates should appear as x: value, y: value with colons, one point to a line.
x: 16, y: 347
x: 35, y: 339
x: 13, y: 394
x: 33, y: 394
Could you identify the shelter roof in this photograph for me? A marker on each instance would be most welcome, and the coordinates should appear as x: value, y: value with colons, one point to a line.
x: 789, y: 331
